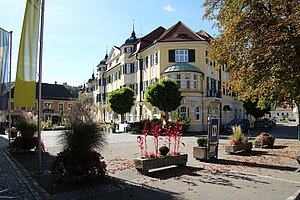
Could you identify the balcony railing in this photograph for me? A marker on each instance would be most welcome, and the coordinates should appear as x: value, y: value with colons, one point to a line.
x: 211, y: 93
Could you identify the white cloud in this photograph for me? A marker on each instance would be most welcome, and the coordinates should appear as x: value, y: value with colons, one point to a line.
x: 169, y: 8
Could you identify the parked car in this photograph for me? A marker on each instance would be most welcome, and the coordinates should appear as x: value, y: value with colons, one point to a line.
x: 244, y: 123
x: 264, y: 124
x: 269, y: 121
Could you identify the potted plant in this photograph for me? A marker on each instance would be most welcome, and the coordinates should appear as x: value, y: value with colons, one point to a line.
x: 200, y: 151
x: 264, y: 139
x: 112, y: 128
x: 202, y: 141
x: 81, y: 143
x: 169, y: 154
x: 27, y: 139
x: 164, y: 150
x: 238, y: 142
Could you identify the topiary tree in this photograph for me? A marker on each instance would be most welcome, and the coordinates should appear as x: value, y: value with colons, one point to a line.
x: 121, y: 101
x: 164, y: 95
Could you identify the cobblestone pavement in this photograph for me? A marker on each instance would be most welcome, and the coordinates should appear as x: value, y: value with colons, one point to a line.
x: 13, y: 183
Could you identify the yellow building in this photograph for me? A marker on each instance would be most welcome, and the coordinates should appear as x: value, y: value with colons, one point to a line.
x: 178, y: 53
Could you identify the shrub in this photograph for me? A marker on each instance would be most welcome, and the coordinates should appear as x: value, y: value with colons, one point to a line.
x: 83, y: 138
x: 81, y: 143
x: 27, y: 139
x: 27, y: 128
x: 164, y: 150
x: 48, y: 124
x: 202, y: 141
x: 137, y: 127
x: 112, y: 126
x: 237, y: 136
x: 264, y: 139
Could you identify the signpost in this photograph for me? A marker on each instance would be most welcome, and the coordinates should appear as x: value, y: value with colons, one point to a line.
x: 213, y: 135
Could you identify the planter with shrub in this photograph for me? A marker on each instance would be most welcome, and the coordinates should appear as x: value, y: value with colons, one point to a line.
x: 80, y: 157
x: 264, y: 140
x: 238, y: 142
x: 204, y: 151
x: 27, y: 139
x: 165, y: 155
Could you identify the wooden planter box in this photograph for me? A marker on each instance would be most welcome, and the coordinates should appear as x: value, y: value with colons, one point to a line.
x: 237, y: 148
x: 203, y: 153
x: 143, y: 165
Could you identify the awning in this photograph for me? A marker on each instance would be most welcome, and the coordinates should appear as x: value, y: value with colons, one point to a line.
x: 182, y: 67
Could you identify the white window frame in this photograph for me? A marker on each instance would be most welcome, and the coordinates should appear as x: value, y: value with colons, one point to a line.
x: 48, y: 105
x: 181, y: 55
x: 153, y: 72
x: 198, y: 113
x: 128, y: 68
x: 128, y: 49
x: 154, y: 59
x: 59, y: 106
x: 145, y: 63
x: 135, y: 67
x: 184, y: 111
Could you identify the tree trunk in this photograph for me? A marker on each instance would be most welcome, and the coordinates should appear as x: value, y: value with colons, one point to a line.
x: 122, y: 118
x: 298, y: 105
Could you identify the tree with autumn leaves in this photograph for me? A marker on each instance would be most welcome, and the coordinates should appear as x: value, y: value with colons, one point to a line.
x: 259, y: 42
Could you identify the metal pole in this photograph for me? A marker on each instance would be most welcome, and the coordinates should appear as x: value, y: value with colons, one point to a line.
x: 40, y: 86
x: 9, y: 90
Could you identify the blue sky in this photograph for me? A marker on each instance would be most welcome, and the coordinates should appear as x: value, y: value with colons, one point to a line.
x: 77, y: 32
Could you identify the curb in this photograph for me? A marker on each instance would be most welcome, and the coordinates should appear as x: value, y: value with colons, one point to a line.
x: 295, y: 196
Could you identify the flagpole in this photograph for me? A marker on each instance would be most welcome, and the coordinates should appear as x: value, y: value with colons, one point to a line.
x: 9, y: 90
x: 40, y: 86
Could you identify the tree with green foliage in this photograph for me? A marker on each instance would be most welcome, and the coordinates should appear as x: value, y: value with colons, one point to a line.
x: 121, y: 101
x: 257, y: 112
x: 259, y: 42
x: 164, y: 95
x: 74, y: 90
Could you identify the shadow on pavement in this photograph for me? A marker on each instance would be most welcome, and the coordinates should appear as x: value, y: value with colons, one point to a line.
x: 109, y: 187
x: 168, y: 173
x: 193, y: 176
x: 252, y: 164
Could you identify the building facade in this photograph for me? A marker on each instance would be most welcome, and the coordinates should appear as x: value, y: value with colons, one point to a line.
x: 56, y: 103
x: 177, y: 53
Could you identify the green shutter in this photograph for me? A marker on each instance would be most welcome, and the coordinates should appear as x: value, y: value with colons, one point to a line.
x: 171, y: 55
x: 191, y: 55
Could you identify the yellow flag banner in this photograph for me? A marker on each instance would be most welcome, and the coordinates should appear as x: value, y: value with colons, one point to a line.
x: 25, y: 87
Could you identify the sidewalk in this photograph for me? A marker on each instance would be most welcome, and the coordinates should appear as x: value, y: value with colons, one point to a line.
x: 13, y: 183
